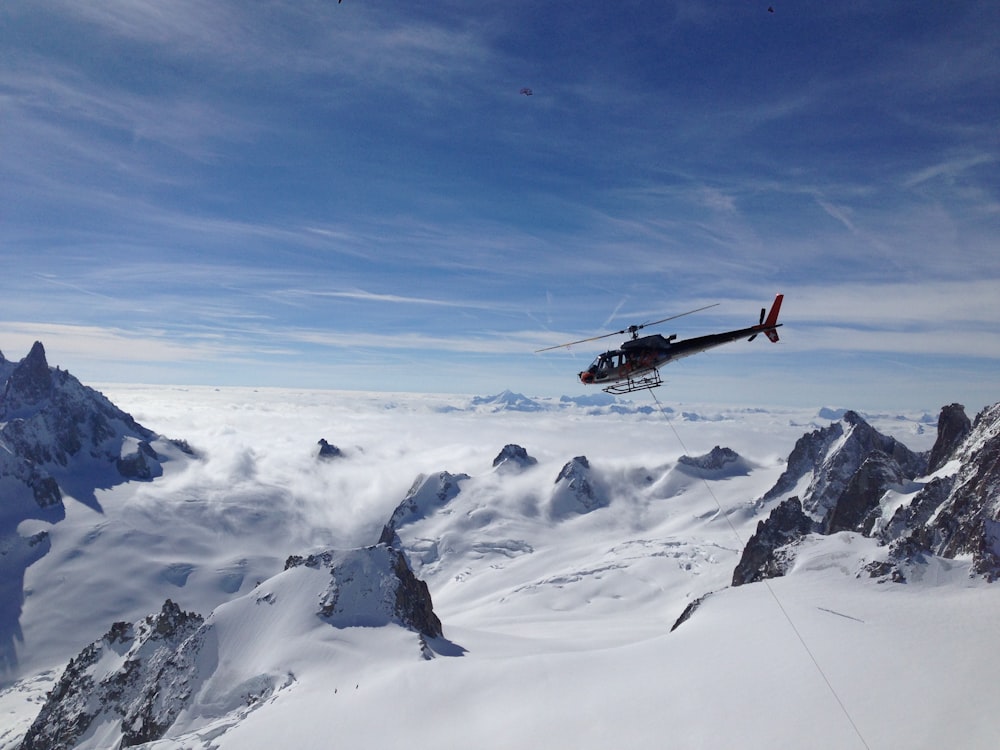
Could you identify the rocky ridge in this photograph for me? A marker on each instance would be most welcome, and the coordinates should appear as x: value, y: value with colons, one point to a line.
x: 130, y: 684
x: 853, y: 479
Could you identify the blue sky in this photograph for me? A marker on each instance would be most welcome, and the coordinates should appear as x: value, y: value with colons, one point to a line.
x: 357, y: 196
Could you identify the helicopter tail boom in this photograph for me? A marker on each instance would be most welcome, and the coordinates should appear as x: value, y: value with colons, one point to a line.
x: 771, y: 322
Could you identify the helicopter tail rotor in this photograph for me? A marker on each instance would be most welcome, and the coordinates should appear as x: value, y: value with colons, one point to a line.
x: 769, y: 325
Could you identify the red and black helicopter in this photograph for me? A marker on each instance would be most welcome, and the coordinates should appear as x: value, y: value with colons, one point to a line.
x: 635, y: 366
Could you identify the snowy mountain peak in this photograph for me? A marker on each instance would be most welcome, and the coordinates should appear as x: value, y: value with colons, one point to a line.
x: 576, y: 490
x: 718, y: 463
x: 841, y: 472
x: 507, y: 401
x: 827, y: 459
x: 58, y: 438
x: 28, y: 383
x: 858, y: 480
x: 426, y: 494
x: 61, y: 436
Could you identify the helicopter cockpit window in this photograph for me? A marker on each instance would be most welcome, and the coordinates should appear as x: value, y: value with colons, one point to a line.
x: 608, y: 361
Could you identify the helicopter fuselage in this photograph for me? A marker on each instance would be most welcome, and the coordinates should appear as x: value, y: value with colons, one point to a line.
x: 643, y: 356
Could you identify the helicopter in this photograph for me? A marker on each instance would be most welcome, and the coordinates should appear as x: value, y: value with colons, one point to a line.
x: 636, y: 365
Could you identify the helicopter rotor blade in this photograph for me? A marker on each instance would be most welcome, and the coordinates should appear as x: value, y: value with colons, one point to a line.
x: 674, y: 317
x: 630, y: 329
x: 581, y: 341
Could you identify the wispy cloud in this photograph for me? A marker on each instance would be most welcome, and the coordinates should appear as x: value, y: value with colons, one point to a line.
x: 392, y: 299
x: 247, y: 181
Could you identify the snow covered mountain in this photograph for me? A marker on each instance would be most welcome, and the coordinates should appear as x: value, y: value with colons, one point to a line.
x: 141, y: 679
x: 851, y: 478
x: 57, y: 436
x: 248, y: 595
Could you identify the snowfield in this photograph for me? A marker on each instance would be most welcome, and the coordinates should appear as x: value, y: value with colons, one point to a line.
x: 557, y: 597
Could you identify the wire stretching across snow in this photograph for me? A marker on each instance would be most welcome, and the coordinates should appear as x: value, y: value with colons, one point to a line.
x: 767, y: 583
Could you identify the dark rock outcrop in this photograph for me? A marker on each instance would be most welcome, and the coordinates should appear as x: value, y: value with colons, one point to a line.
x: 953, y: 427
x: 857, y: 508
x: 328, y: 451
x: 767, y: 553
x: 689, y: 610
x: 141, y: 462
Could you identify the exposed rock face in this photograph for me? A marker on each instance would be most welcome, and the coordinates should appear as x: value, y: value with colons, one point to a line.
x: 373, y: 586
x: 328, y: 451
x: 576, y: 490
x: 958, y: 515
x: 689, y: 610
x: 137, y: 678
x: 513, y: 458
x: 767, y: 553
x: 849, y: 469
x: 832, y: 457
x: 857, y: 507
x: 138, y: 460
x: 953, y: 427
x: 805, y: 458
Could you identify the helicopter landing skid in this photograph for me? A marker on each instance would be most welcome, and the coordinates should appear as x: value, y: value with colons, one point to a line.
x: 631, y: 385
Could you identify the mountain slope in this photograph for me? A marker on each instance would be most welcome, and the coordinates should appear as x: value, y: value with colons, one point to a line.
x: 140, y: 679
x: 558, y: 616
x: 58, y: 439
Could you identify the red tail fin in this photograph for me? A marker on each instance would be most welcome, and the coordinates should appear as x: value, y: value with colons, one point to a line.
x: 771, y: 322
